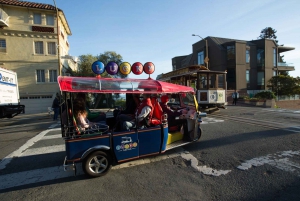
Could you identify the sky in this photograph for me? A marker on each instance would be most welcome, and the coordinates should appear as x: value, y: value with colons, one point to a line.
x: 158, y: 30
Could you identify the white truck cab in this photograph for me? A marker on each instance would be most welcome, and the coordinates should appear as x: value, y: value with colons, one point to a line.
x: 9, y: 94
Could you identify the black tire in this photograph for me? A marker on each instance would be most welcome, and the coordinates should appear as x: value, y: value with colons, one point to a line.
x: 97, y: 164
x: 198, y: 135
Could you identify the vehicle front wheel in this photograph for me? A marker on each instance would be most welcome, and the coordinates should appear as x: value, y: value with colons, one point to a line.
x: 97, y: 164
x: 199, y: 133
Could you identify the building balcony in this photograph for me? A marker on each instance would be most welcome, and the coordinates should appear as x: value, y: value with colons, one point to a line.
x: 3, y: 18
x: 283, y: 66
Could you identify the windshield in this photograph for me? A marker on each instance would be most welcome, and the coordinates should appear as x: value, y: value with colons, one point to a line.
x: 188, y: 99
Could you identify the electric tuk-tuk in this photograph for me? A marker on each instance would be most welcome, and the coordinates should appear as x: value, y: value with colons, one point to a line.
x: 101, y: 146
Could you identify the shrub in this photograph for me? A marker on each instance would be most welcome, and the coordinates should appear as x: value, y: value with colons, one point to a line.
x: 265, y: 95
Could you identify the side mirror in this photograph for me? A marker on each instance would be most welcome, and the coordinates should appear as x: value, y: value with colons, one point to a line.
x: 201, y: 114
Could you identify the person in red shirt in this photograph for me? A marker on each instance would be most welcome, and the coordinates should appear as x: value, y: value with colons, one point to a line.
x: 143, y: 114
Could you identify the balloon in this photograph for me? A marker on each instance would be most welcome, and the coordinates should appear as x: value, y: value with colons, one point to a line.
x: 137, y: 68
x: 125, y: 68
x: 149, y: 67
x: 111, y: 68
x: 98, y: 67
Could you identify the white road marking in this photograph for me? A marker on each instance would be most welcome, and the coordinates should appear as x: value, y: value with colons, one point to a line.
x: 43, y: 150
x: 51, y: 137
x: 33, y: 176
x: 279, y: 160
x: 203, y: 169
x: 19, y: 151
x: 208, y: 120
x: 46, y: 174
x: 54, y: 125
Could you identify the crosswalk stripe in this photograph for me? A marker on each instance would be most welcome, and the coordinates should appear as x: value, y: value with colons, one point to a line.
x: 19, y: 151
x: 51, y: 137
x: 33, y: 176
x: 43, y: 150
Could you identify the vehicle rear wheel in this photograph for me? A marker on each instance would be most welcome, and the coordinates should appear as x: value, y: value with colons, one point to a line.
x: 97, y: 164
x: 199, y: 133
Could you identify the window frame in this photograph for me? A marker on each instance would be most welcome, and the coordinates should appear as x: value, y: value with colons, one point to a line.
x: 40, y: 76
x: 50, y: 20
x: 247, y: 56
x: 52, y: 77
x: 200, y: 57
x: 3, y: 48
x: 53, y: 49
x: 36, y: 47
x: 274, y: 57
x: 36, y: 19
x: 262, y: 82
x: 230, y: 50
x: 260, y: 56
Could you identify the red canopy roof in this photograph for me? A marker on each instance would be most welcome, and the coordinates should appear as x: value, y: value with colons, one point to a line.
x: 118, y: 85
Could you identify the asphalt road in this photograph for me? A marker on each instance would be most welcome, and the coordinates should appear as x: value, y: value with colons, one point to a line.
x: 245, y: 153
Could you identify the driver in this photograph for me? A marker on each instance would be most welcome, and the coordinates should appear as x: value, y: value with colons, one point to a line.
x: 143, y: 114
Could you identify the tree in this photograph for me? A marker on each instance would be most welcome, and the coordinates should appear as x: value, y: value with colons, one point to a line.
x: 269, y: 33
x: 285, y: 85
x: 85, y: 65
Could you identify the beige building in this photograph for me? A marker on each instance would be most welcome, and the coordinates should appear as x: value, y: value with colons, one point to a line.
x: 34, y: 43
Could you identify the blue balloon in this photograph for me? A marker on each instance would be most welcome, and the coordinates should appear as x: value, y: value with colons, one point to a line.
x: 98, y: 67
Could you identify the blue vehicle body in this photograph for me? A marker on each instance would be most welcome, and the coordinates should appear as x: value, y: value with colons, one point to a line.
x: 124, y: 145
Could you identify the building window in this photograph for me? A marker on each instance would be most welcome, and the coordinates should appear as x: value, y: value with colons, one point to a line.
x: 230, y: 52
x: 231, y: 79
x: 50, y: 20
x: 221, y: 79
x: 274, y: 73
x: 37, y: 18
x: 201, y: 57
x: 247, y: 56
x: 202, y: 81
x: 274, y: 57
x: 260, y: 78
x: 212, y: 81
x: 2, y: 45
x: 260, y: 57
x: 248, y: 78
x: 52, y: 75
x: 39, y: 47
x: 51, y: 48
x: 40, y: 75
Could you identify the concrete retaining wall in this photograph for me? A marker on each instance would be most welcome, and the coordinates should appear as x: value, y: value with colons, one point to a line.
x: 289, y: 104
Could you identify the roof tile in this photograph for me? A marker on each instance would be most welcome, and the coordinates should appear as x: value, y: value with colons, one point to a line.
x: 28, y: 4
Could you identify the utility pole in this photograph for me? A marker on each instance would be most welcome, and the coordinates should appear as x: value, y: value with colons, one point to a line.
x: 58, y: 45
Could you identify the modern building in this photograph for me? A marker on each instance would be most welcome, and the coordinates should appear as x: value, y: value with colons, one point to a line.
x: 34, y: 43
x: 249, y: 64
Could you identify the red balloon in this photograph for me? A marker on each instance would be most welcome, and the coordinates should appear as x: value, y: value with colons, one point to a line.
x: 149, y: 67
x: 137, y: 68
